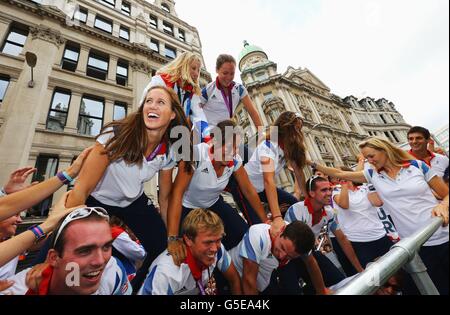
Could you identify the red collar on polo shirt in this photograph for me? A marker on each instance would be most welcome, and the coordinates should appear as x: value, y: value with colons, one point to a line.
x: 308, y: 204
x: 196, y: 267
x: 44, y: 286
x: 431, y: 154
x: 272, y: 241
x: 169, y: 83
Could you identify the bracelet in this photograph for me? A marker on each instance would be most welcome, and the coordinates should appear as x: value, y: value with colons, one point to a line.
x: 276, y: 217
x: 38, y: 232
x: 62, y: 178
x: 3, y: 192
x: 173, y: 239
x: 314, y: 165
x: 67, y: 176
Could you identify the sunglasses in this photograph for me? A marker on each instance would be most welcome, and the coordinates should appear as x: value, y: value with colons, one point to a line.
x: 79, y: 214
x: 311, y: 181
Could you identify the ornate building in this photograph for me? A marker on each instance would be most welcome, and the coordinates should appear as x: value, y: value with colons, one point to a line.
x: 333, y: 126
x: 94, y: 59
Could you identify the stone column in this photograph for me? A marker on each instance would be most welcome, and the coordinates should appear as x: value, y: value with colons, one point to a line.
x: 141, y: 74
x: 29, y: 102
x: 112, y: 69
x: 4, y: 25
x: 74, y: 111
x: 83, y: 60
x: 109, y: 112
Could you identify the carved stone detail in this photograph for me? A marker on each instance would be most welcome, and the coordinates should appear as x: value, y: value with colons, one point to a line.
x: 141, y: 66
x: 47, y: 34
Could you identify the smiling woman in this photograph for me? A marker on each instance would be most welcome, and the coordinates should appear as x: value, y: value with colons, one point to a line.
x: 129, y: 153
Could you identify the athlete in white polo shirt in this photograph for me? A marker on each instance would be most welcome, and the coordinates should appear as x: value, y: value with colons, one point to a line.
x: 221, y: 97
x: 79, y: 261
x: 129, y: 153
x: 359, y: 221
x: 270, y: 265
x: 418, y: 139
x: 215, y: 163
x: 405, y: 185
x: 270, y: 158
x: 202, y: 233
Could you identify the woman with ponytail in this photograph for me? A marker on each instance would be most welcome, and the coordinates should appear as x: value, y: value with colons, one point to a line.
x: 285, y: 146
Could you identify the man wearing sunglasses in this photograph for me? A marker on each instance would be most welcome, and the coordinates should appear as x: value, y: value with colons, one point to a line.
x: 79, y: 261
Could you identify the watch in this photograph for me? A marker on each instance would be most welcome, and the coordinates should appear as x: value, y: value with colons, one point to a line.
x: 173, y: 239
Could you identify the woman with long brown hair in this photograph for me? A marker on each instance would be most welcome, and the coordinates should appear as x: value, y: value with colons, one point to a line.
x: 127, y: 154
x: 285, y: 146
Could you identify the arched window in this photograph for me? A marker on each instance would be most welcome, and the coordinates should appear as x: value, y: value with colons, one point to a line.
x: 165, y: 7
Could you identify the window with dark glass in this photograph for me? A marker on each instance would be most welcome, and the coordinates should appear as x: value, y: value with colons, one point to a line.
x: 90, y: 120
x: 59, y: 108
x: 168, y: 28
x: 120, y: 110
x: 153, y: 21
x: 15, y: 40
x: 4, y: 83
x: 103, y: 24
x: 126, y: 8
x: 81, y: 15
x: 154, y: 45
x: 165, y: 7
x: 109, y: 3
x: 97, y: 66
x: 70, y: 57
x: 124, y: 33
x: 182, y: 35
x: 46, y: 166
x: 171, y: 52
x: 122, y: 73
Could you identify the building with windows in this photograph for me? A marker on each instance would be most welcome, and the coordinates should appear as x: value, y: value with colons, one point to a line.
x: 94, y: 59
x: 441, y: 136
x: 333, y: 126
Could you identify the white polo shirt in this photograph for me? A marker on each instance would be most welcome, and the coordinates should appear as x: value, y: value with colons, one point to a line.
x: 439, y: 164
x: 9, y: 269
x: 205, y: 187
x: 214, y: 105
x: 408, y: 198
x: 166, y: 278
x: 304, y: 213
x: 122, y: 184
x: 360, y: 222
x: 256, y: 246
x: 267, y: 149
x: 114, y: 281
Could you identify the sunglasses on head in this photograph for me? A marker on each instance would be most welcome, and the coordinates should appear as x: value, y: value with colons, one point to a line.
x: 311, y: 180
x: 79, y: 214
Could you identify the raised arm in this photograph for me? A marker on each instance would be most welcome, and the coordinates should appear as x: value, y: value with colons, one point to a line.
x: 342, y: 199
x: 252, y: 111
x: 13, y: 204
x: 356, y: 177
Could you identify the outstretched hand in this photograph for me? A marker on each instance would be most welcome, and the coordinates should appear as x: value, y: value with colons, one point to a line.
x: 17, y: 180
x: 76, y: 166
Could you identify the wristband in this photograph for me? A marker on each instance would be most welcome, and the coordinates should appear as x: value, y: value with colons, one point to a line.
x: 173, y: 239
x: 276, y: 217
x: 62, y: 178
x: 69, y: 179
x: 38, y: 232
x: 3, y: 192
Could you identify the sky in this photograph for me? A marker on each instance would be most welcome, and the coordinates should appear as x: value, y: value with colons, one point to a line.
x: 393, y: 49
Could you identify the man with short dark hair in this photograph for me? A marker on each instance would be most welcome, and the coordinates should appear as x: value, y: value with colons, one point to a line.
x: 79, y: 262
x: 418, y: 139
x: 264, y: 263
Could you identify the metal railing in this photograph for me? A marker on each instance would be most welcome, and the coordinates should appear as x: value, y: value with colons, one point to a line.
x: 403, y: 254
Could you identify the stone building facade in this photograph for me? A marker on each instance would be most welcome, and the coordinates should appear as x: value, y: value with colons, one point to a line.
x: 334, y: 126
x: 94, y: 59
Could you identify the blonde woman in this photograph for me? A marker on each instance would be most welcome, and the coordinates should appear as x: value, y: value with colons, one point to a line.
x: 406, y: 187
x: 182, y: 75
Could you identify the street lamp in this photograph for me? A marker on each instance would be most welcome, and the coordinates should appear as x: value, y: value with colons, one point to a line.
x: 31, y: 61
